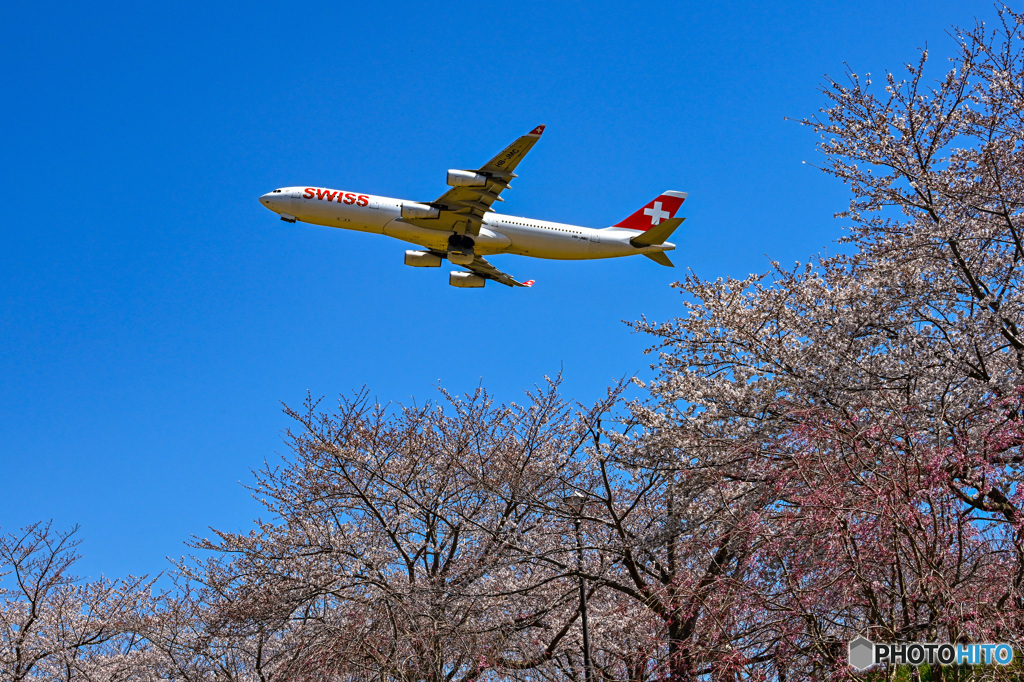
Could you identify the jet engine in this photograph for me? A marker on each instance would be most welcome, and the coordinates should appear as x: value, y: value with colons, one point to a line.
x: 422, y: 259
x: 466, y: 280
x: 411, y: 209
x: 464, y: 178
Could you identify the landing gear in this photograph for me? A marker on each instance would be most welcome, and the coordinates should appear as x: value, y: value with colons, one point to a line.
x: 460, y: 249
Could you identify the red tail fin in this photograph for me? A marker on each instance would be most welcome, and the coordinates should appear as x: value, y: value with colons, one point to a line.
x: 665, y: 206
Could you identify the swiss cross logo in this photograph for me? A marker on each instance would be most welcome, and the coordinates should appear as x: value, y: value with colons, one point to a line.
x: 654, y: 212
x: 657, y: 215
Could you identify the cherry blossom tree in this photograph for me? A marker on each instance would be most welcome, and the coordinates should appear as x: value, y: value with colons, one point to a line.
x: 412, y: 543
x: 667, y: 565
x: 192, y: 637
x: 863, y: 411
x: 55, y: 626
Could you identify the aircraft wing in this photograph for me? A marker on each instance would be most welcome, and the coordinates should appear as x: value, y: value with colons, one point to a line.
x: 481, y: 267
x: 463, y: 208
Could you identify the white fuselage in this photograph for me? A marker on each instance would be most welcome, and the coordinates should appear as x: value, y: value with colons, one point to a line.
x: 498, y: 234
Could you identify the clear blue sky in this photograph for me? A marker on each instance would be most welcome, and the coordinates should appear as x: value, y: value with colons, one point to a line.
x: 153, y: 315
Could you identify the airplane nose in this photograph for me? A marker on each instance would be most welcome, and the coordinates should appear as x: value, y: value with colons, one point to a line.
x: 279, y: 201
x: 268, y: 200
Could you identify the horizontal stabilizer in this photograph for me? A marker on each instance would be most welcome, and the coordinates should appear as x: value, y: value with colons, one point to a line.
x: 660, y: 258
x: 658, y: 234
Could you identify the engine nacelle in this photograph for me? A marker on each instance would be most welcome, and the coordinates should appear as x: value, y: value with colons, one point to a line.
x: 422, y: 259
x: 466, y: 280
x: 464, y: 178
x: 411, y: 209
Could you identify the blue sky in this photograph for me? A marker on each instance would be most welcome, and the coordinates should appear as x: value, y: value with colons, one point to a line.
x: 153, y: 316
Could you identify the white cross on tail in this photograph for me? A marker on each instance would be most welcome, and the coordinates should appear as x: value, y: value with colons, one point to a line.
x: 657, y: 215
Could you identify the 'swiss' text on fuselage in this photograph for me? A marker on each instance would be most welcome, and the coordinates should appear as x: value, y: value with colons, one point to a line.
x: 339, y: 196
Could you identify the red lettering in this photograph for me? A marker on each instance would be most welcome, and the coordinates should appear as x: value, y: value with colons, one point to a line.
x: 363, y: 200
x: 322, y: 193
x: 350, y: 198
x: 309, y: 192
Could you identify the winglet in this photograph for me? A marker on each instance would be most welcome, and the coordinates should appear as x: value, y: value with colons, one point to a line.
x: 528, y: 283
x: 536, y: 131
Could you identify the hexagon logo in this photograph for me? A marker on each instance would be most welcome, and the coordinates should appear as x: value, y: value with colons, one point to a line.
x: 861, y: 653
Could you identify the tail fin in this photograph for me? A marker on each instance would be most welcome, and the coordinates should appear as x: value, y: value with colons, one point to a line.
x: 663, y: 207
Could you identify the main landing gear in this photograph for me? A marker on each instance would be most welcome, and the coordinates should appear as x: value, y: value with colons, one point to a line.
x: 460, y: 249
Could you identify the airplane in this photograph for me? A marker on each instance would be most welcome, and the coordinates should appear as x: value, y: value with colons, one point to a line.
x: 461, y: 226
